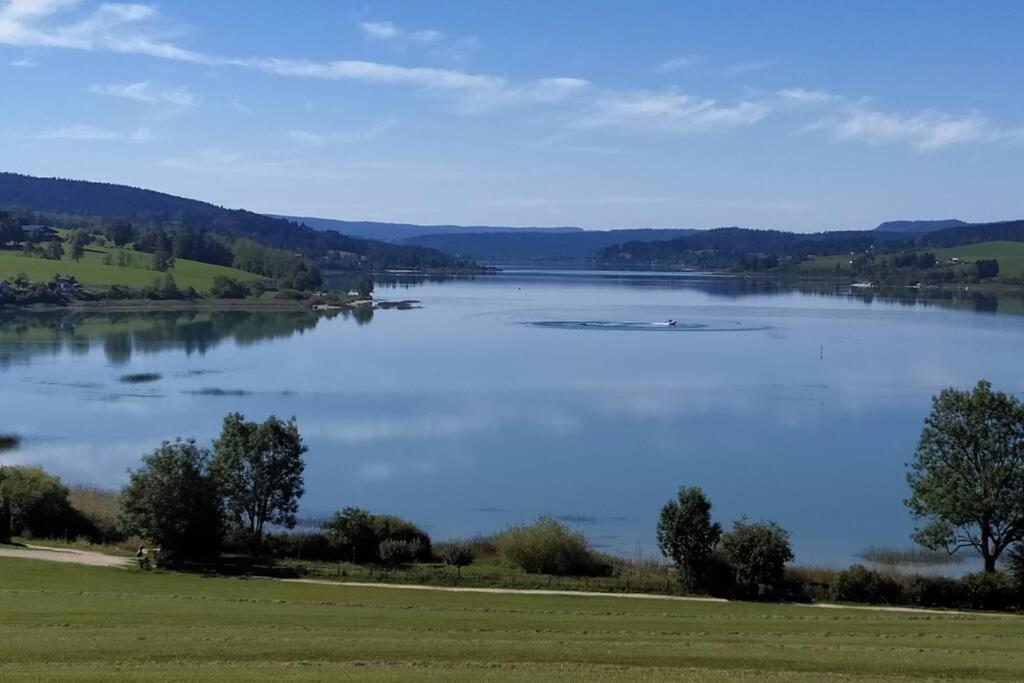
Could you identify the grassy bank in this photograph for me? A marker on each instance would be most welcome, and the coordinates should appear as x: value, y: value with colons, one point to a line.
x: 95, y: 623
x: 91, y: 270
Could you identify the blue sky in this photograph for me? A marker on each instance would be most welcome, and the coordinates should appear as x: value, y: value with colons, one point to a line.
x: 795, y: 115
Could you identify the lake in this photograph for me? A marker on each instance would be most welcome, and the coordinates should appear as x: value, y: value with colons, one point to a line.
x: 528, y: 392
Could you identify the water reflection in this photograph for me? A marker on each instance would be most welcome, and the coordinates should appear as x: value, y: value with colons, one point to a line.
x: 24, y: 335
x: 725, y: 287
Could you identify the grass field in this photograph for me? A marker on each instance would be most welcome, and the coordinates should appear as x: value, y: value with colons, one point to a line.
x: 1009, y: 254
x: 90, y: 270
x: 89, y: 623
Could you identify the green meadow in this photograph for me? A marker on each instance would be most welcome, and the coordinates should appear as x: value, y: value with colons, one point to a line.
x: 89, y: 623
x: 91, y: 271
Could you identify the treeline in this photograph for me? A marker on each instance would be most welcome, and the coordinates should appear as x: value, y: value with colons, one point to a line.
x: 91, y: 200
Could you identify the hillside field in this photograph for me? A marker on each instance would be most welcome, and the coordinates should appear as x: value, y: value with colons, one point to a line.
x: 92, y: 623
x: 91, y: 271
x: 1009, y: 254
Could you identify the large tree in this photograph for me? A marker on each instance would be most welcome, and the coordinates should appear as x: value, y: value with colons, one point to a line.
x: 173, y: 501
x: 967, y: 477
x: 259, y: 467
x: 687, y: 536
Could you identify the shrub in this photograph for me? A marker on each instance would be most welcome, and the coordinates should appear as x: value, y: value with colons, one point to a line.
x: 458, y: 554
x: 356, y: 535
x: 300, y: 545
x: 224, y: 287
x: 989, y: 591
x: 860, y: 584
x: 36, y: 504
x: 394, y: 553
x: 758, y: 553
x: 549, y: 547
x: 934, y: 591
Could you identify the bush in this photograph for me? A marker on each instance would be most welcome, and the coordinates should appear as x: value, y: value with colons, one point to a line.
x: 549, y: 547
x: 300, y: 545
x: 758, y: 553
x: 687, y: 536
x: 36, y: 504
x: 394, y: 553
x: 989, y: 591
x: 934, y: 591
x: 860, y: 584
x: 224, y: 287
x: 356, y: 535
x: 458, y: 554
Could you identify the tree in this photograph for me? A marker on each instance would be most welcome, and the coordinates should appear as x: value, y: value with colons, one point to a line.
x: 54, y: 249
x: 458, y: 554
x: 986, y: 268
x: 758, y: 553
x: 162, y: 259
x: 79, y: 238
x: 173, y: 501
x: 687, y: 536
x: 259, y: 468
x: 967, y: 477
x: 120, y: 233
x: 352, y: 533
x: 224, y: 287
x: 10, y: 230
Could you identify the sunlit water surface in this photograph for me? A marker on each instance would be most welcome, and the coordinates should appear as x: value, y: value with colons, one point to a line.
x: 530, y: 392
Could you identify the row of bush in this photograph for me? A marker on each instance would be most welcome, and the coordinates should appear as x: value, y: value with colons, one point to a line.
x: 858, y: 584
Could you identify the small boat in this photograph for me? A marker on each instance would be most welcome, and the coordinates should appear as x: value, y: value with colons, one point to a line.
x: 667, y: 323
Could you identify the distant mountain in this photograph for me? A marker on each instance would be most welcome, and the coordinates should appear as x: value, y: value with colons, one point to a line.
x: 917, y: 227
x: 121, y: 202
x: 533, y: 246
x: 393, y: 232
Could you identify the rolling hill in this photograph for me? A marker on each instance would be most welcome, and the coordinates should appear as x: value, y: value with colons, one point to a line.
x: 919, y: 227
x: 109, y: 201
x: 393, y: 232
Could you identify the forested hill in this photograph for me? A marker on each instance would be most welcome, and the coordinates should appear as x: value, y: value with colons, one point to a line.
x: 1002, y: 231
x: 109, y: 201
x: 918, y: 227
x: 535, y: 246
x: 392, y: 232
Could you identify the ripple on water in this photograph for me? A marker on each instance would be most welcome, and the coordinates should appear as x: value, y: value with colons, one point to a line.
x: 628, y: 326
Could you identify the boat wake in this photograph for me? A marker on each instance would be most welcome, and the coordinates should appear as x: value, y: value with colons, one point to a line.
x: 628, y: 326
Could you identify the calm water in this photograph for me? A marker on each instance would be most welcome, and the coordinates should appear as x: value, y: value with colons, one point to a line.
x: 492, y: 403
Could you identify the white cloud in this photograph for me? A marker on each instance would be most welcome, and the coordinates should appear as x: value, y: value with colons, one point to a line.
x: 308, y: 138
x: 672, y: 111
x: 83, y: 132
x: 23, y: 63
x: 385, y: 30
x: 143, y: 91
x: 807, y: 96
x: 677, y: 63
x: 113, y: 27
x: 929, y: 131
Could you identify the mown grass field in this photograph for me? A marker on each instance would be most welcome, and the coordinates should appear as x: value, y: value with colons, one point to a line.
x: 90, y: 270
x: 88, y: 623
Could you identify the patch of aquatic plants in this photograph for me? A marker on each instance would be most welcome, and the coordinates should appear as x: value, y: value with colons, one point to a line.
x: 216, y: 391
x: 141, y: 377
x: 8, y: 442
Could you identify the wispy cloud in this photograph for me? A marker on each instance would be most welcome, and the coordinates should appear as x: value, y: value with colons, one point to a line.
x: 747, y: 67
x: 678, y: 63
x: 385, y: 30
x: 23, y: 63
x: 929, y: 131
x: 311, y: 139
x: 808, y: 96
x: 143, y: 91
x: 84, y: 132
x: 671, y: 111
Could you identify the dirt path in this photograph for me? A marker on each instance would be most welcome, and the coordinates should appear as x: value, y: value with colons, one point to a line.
x: 35, y: 552
x: 38, y: 552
